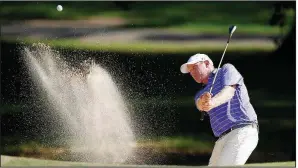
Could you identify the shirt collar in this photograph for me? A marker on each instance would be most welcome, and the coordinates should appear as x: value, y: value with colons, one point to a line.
x: 214, y: 71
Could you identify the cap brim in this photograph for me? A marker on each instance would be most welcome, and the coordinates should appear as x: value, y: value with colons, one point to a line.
x: 183, y: 67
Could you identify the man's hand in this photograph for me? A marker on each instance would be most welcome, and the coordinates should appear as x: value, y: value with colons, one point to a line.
x: 205, y: 102
x: 206, y: 96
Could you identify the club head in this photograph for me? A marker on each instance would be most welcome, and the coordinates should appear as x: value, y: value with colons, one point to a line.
x: 232, y: 29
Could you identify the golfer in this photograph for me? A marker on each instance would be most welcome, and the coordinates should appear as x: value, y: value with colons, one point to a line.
x: 232, y: 117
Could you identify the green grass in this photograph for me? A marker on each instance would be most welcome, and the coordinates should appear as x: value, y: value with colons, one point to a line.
x: 22, y: 161
x: 47, y: 10
x: 150, y: 47
x: 188, y: 144
x: 205, y: 17
x: 164, y: 13
x: 200, y: 12
x: 291, y: 164
x: 182, y: 144
x: 221, y: 29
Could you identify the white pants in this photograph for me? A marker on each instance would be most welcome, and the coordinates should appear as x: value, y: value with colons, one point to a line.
x: 235, y: 147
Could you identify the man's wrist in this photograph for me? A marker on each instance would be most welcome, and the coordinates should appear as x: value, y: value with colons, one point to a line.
x: 213, y: 103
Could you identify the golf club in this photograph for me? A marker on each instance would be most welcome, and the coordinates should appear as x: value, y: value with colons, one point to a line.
x: 231, y: 31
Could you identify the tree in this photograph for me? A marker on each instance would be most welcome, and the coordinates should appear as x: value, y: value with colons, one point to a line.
x: 282, y: 61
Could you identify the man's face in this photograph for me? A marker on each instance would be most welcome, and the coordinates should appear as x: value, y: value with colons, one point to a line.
x: 199, y: 71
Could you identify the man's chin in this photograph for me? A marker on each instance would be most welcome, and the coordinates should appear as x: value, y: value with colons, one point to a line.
x: 198, y: 81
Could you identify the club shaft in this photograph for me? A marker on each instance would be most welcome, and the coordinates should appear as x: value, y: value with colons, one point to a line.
x: 218, y: 67
x: 203, y: 113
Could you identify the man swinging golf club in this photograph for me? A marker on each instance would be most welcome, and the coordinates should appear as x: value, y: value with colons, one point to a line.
x: 225, y: 99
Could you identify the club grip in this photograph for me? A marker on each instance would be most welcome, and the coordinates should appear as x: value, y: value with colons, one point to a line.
x: 204, y: 112
x: 202, y: 115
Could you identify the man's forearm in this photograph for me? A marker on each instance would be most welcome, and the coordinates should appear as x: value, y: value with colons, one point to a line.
x: 223, y: 96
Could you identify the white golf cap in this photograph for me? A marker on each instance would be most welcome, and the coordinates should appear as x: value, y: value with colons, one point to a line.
x: 194, y: 59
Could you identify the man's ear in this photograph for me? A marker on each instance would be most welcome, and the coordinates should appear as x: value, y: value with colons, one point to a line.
x: 207, y: 63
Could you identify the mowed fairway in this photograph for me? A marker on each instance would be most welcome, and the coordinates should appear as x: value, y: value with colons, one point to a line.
x: 22, y: 161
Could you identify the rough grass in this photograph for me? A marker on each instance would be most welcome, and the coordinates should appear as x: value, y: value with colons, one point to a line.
x: 22, y: 161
